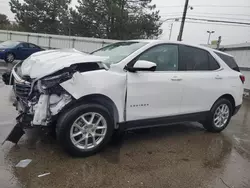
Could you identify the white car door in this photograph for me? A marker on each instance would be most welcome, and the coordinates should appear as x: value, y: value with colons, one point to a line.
x: 202, y: 79
x: 155, y: 94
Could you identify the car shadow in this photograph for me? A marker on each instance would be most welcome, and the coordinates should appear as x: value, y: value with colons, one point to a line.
x: 169, y: 135
x: 42, y: 141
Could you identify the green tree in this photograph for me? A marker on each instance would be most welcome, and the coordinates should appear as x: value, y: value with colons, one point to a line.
x: 41, y: 15
x: 115, y: 19
x: 7, y: 25
x: 4, y: 21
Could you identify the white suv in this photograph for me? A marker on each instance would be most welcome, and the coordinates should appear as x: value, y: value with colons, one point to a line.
x: 126, y: 85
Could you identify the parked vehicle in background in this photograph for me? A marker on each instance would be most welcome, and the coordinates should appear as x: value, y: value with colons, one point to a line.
x: 126, y: 85
x: 14, y: 50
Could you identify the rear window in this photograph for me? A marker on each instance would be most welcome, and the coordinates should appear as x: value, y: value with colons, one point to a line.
x: 229, y: 61
x: 32, y: 46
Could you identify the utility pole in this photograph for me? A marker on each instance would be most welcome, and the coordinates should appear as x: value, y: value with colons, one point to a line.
x: 183, y: 20
x: 209, y: 35
x: 171, y: 27
x: 69, y: 32
x: 218, y: 42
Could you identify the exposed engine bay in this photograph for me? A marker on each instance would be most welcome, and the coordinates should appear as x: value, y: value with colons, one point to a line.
x: 44, y: 98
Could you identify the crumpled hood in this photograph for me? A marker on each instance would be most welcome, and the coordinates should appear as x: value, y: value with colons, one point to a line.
x: 47, y: 62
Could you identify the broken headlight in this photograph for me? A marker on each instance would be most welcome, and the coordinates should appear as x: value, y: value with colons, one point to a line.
x: 51, y: 81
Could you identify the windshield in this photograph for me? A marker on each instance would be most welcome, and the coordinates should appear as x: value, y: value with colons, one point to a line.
x: 118, y: 51
x: 8, y: 44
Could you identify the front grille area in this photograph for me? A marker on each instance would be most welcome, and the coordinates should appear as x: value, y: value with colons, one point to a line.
x: 21, y: 89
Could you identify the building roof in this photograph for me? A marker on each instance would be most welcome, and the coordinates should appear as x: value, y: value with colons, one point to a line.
x: 241, y: 45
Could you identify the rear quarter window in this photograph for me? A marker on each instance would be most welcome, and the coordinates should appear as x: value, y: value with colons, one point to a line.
x: 196, y: 59
x: 229, y: 61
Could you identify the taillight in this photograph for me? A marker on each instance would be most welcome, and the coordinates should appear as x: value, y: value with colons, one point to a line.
x: 242, y: 78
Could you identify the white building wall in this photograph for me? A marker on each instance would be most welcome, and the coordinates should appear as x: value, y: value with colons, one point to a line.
x: 247, y: 76
x: 242, y: 57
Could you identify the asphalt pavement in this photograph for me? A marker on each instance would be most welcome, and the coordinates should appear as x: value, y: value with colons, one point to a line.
x: 178, y: 156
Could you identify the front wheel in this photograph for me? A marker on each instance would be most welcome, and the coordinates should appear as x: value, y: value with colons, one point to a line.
x: 219, y: 116
x: 9, y: 58
x: 85, y: 129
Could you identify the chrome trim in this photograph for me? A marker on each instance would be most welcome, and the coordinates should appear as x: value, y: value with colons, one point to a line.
x: 184, y: 71
x: 21, y: 87
x: 18, y: 78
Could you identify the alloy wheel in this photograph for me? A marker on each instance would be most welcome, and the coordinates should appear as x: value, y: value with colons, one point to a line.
x: 88, y: 130
x: 221, y: 115
x: 10, y: 58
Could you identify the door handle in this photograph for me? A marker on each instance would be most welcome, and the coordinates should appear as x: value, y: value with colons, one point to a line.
x: 176, y: 79
x: 218, y: 77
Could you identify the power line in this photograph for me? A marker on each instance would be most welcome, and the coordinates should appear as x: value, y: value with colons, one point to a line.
x: 222, y: 14
x: 219, y: 17
x: 171, y: 19
x: 214, y: 22
x: 220, y: 21
x: 205, y: 16
x: 208, y: 13
x: 197, y: 22
x: 209, y: 20
x: 216, y: 6
x: 223, y: 6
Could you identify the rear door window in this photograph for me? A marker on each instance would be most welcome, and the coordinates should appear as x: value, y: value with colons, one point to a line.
x: 229, y: 61
x: 23, y: 45
x: 213, y: 64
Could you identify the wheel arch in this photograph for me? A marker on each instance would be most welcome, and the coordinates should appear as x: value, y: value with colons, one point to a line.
x: 228, y: 97
x: 98, y: 99
x: 11, y: 52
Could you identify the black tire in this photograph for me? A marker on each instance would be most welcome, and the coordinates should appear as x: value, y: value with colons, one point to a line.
x: 66, y: 120
x: 7, y: 59
x: 209, y: 124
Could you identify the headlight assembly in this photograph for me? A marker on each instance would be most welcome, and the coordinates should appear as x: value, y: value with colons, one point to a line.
x: 51, y: 81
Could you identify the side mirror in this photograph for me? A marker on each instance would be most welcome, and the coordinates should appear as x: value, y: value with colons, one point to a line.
x: 142, y: 65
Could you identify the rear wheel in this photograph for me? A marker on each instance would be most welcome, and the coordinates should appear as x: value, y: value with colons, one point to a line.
x: 219, y: 116
x: 10, y: 57
x: 85, y: 129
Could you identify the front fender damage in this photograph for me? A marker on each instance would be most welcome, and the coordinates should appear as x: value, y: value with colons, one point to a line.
x: 107, y: 83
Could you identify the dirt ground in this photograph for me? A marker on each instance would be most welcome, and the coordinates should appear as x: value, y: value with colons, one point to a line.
x: 178, y: 156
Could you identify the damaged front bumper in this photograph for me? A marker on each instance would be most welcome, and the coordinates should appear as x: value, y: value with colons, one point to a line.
x: 23, y: 121
x: 36, y: 107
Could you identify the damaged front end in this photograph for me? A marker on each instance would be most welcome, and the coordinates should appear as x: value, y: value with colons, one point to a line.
x: 37, y: 85
x: 38, y: 101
